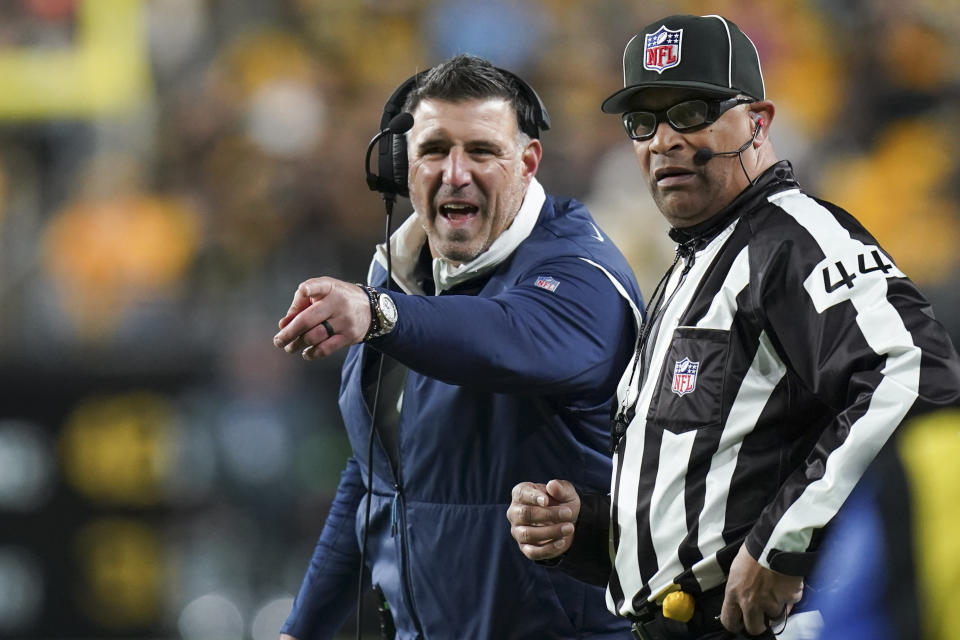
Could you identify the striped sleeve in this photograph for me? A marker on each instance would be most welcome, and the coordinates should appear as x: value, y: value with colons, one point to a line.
x: 861, y: 338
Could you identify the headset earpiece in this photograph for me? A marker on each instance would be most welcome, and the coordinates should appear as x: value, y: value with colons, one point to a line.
x: 392, y: 154
x: 536, y: 118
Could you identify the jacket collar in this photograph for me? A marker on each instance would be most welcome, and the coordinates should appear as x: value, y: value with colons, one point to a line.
x: 776, y: 178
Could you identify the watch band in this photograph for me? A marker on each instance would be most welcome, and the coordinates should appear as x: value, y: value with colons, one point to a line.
x: 378, y: 323
x: 374, y: 328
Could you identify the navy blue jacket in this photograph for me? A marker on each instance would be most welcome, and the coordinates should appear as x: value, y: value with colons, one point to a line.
x: 508, y: 385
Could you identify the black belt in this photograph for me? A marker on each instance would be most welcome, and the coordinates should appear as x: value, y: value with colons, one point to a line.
x: 650, y: 624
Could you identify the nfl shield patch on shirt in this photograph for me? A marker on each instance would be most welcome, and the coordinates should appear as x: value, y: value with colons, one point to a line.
x: 548, y: 283
x: 685, y: 376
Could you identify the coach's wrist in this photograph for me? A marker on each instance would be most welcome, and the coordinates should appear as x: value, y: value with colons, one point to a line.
x: 383, y: 312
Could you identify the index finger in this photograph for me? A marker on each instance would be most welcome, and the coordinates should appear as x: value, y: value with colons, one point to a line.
x: 531, y: 493
x: 306, y: 294
x: 300, y: 302
x: 301, y: 325
x: 731, y: 617
x: 528, y: 514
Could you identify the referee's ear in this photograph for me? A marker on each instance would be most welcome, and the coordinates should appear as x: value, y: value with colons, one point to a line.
x: 761, y: 113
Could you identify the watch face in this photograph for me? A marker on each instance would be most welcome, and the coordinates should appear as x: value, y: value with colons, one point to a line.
x: 387, y: 308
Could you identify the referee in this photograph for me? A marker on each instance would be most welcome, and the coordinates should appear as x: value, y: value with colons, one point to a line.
x: 781, y: 350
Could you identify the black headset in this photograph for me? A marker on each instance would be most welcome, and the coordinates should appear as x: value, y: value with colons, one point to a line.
x: 392, y: 161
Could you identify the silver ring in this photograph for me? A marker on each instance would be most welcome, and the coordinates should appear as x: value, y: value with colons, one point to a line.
x: 329, y: 329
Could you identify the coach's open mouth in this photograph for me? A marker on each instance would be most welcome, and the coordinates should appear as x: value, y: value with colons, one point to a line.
x: 457, y: 213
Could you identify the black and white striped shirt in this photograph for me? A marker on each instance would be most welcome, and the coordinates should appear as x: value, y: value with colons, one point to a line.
x: 787, y: 349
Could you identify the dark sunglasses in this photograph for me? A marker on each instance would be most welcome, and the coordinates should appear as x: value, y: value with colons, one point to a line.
x: 683, y: 116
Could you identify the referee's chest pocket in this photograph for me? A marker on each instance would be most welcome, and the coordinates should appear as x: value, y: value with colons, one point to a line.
x: 690, y: 393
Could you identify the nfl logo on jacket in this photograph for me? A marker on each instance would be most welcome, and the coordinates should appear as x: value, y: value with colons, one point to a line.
x: 548, y: 283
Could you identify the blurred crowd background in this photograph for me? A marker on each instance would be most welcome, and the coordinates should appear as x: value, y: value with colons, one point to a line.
x: 170, y: 170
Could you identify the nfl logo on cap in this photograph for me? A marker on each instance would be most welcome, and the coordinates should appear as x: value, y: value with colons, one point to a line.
x: 661, y: 49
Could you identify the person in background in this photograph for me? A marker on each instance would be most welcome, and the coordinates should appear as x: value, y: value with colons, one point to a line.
x: 890, y: 563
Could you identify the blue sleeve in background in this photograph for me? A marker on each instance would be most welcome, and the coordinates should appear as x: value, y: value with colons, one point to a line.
x: 850, y: 582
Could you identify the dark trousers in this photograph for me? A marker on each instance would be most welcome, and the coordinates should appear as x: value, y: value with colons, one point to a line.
x: 665, y: 629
